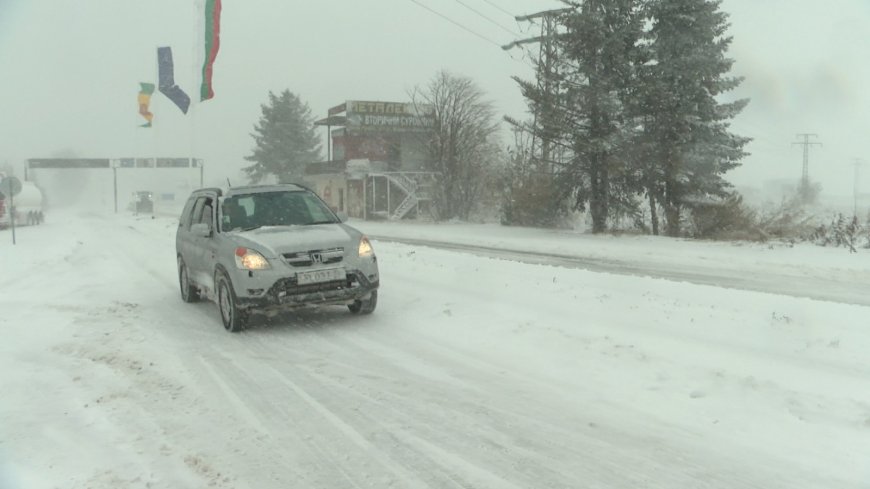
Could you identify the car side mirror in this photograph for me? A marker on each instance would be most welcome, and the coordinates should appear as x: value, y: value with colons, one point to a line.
x: 201, y: 229
x: 342, y: 217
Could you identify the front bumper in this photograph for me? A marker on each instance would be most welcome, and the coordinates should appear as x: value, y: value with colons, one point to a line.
x: 285, y: 294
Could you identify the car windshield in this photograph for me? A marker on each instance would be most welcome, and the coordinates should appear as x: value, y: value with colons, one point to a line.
x: 282, y: 208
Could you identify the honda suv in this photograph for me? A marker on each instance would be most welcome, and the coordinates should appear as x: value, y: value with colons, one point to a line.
x: 269, y: 249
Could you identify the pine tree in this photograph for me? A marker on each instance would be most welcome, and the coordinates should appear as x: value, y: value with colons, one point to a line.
x: 595, y: 71
x: 285, y: 139
x: 593, y: 45
x: 687, y: 125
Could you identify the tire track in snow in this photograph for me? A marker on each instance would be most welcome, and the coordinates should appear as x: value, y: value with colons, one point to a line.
x: 341, y: 420
x: 167, y: 326
x: 290, y: 416
x: 409, y: 478
x: 367, y: 354
x: 438, y: 414
x: 392, y: 414
x: 326, y: 362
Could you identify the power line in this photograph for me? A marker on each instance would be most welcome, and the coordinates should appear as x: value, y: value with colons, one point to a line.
x: 478, y: 12
x: 499, y: 7
x: 806, y: 143
x: 547, y: 75
x: 448, y: 19
x: 546, y: 14
x: 457, y: 24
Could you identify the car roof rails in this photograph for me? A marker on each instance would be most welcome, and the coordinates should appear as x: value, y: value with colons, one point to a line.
x: 216, y: 190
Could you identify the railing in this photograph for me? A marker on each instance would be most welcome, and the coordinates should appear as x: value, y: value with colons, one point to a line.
x: 415, y: 187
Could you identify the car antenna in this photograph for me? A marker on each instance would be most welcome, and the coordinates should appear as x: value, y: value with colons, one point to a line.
x: 228, y: 183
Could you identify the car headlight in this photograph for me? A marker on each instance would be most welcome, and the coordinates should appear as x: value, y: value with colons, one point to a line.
x: 365, y: 248
x: 247, y: 259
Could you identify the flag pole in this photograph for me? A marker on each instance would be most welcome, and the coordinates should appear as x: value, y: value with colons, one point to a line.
x: 198, y: 11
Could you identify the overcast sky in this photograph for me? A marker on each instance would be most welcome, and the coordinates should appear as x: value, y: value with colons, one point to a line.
x: 69, y: 73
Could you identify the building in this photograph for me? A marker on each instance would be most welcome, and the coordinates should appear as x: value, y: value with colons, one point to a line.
x: 376, y: 159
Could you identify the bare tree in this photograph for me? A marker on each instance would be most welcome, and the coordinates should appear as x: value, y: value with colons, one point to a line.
x: 463, y: 146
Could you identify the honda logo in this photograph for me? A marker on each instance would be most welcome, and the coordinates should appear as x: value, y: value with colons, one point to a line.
x: 316, y: 258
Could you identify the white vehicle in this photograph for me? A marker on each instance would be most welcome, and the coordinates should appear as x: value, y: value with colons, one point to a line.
x: 268, y: 248
x: 28, y: 207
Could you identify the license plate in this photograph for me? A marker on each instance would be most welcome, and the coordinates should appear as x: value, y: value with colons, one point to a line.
x: 318, y: 276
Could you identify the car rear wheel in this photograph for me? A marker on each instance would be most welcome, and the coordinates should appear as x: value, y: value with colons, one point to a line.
x: 365, y: 306
x: 189, y: 293
x: 233, y: 318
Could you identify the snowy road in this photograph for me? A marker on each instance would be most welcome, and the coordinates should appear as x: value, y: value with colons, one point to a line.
x: 473, y: 373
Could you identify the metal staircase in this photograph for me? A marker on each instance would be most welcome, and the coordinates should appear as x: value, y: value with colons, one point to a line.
x: 414, y: 185
x: 404, y: 207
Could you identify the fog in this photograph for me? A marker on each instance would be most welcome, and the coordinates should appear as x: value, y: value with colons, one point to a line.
x: 72, y: 68
x: 168, y: 345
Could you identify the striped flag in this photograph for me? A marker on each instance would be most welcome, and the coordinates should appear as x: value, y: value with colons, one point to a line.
x: 210, y: 21
x: 145, y: 92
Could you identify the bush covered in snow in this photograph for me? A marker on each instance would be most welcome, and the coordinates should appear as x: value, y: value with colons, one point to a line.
x: 795, y: 222
x: 791, y: 221
x: 728, y: 218
x: 843, y: 232
x: 533, y: 201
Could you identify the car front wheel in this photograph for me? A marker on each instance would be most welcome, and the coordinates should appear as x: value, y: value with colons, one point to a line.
x: 231, y: 316
x: 365, y: 306
x: 189, y: 293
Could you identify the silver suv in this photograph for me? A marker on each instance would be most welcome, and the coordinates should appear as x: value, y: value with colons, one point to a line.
x: 269, y: 249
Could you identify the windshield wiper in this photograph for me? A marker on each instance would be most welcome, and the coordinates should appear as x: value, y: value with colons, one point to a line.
x: 320, y: 222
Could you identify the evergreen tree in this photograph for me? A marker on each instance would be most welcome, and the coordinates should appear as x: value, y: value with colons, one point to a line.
x: 687, y: 126
x: 529, y: 196
x: 595, y: 70
x: 285, y: 139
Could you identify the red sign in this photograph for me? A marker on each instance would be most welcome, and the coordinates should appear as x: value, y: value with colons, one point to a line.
x: 338, y: 109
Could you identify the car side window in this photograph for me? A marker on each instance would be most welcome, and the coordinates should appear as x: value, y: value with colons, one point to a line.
x: 203, y: 213
x: 184, y: 222
x: 208, y: 213
x: 196, y: 215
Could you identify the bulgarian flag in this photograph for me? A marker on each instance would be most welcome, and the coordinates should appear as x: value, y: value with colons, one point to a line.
x: 210, y: 21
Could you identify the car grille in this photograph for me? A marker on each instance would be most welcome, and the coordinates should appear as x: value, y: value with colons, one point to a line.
x: 308, y: 258
x: 288, y: 286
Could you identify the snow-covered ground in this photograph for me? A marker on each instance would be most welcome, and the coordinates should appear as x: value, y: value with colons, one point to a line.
x: 474, y: 372
x: 802, y: 270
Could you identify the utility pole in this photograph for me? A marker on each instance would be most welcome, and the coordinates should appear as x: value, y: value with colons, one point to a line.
x: 806, y: 143
x: 115, y: 179
x: 545, y: 77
